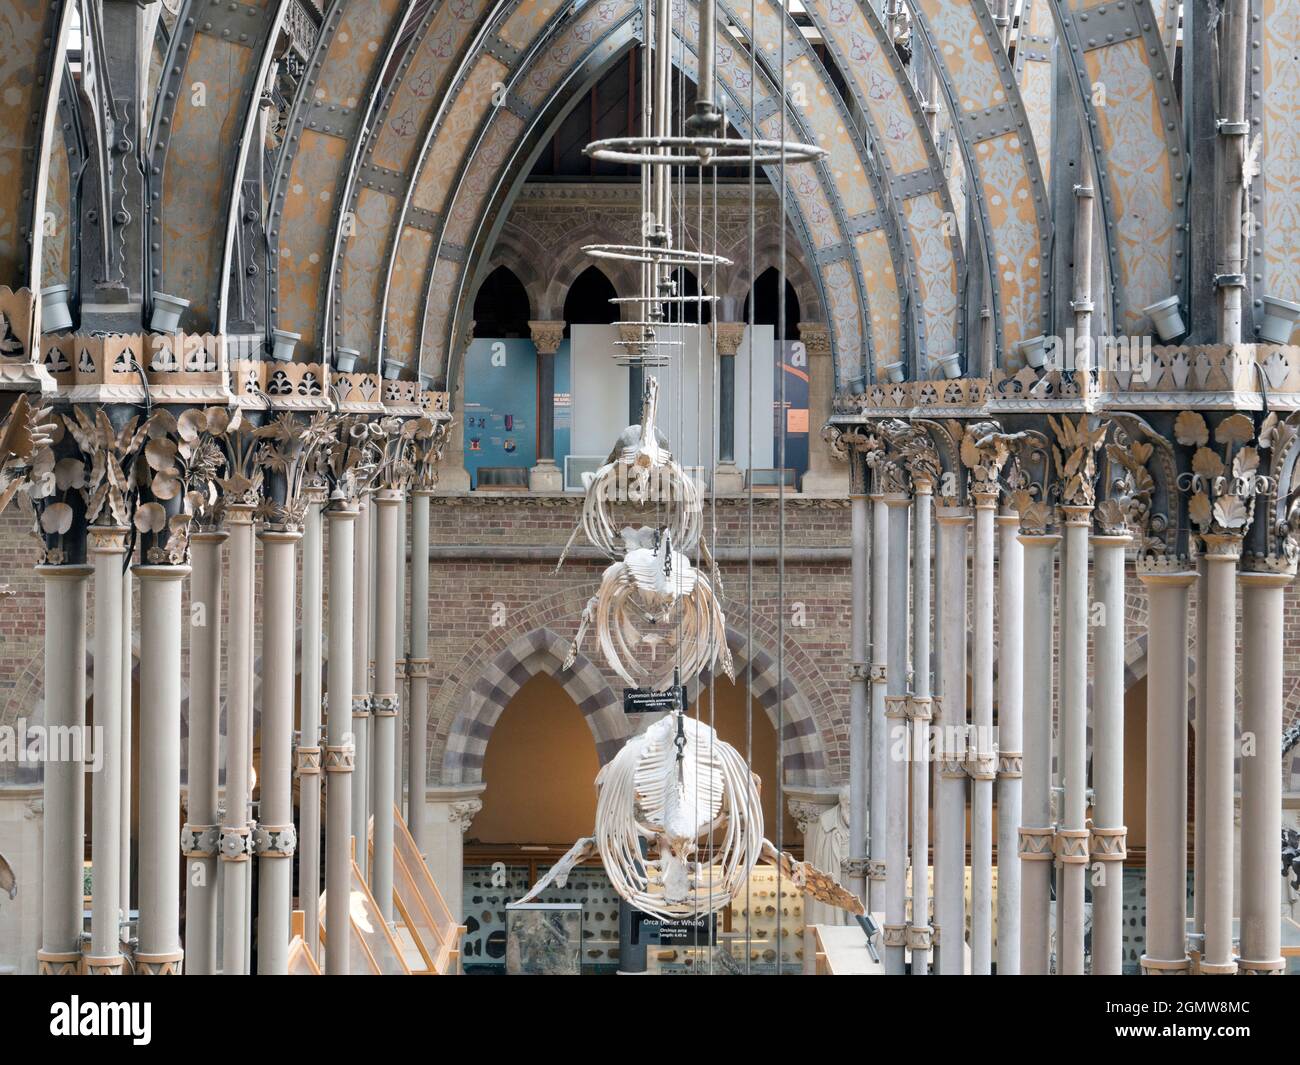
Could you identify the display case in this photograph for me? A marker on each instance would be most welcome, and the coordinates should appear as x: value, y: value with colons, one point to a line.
x: 544, y: 939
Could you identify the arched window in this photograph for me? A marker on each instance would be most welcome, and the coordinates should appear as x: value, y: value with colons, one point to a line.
x: 766, y: 309
x: 588, y: 300
x: 501, y: 308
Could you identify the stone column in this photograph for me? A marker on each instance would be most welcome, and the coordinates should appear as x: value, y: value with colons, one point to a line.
x: 859, y: 698
x: 983, y: 766
x: 921, y: 713
x: 159, y: 951
x: 64, y: 794
x: 825, y: 477
x: 107, y: 547
x: 308, y: 758
x: 1263, y: 586
x: 390, y: 504
x: 1107, y: 844
x: 361, y: 682
x: 1011, y: 665
x: 340, y: 751
x: 418, y: 665
x: 236, y: 828
x: 1036, y: 830
x: 399, y: 666
x: 1221, y: 555
x: 275, y: 839
x: 451, y: 809
x: 728, y: 479
x: 127, y: 744
x: 199, y: 835
x: 950, y: 813
x: 897, y: 740
x: 1201, y: 671
x: 1072, y: 837
x: 879, y: 682
x: 1167, y: 582
x: 546, y: 476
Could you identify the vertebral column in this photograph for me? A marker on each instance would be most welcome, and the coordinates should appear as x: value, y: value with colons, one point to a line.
x: 385, y: 708
x: 63, y: 850
x: 1011, y: 603
x: 107, y: 546
x: 1166, y: 949
x: 950, y: 818
x: 275, y: 838
x: 308, y: 754
x: 236, y: 829
x: 1262, y: 590
x: 1221, y: 554
x: 418, y: 667
x: 1107, y: 844
x: 340, y: 752
x: 199, y: 836
x: 159, y: 952
x: 1036, y: 828
x: 897, y: 744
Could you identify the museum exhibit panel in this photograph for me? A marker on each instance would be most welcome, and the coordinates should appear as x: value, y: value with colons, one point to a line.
x: 736, y: 487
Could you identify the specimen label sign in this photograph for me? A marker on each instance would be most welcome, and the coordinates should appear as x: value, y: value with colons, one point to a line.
x: 646, y: 701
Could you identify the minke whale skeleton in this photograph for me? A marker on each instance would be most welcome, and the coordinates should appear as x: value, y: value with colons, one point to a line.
x: 689, y: 797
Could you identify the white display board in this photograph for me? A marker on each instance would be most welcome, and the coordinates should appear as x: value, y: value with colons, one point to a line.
x: 686, y: 395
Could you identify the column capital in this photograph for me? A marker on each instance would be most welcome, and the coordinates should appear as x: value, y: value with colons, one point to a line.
x: 461, y: 802
x: 729, y: 336
x: 161, y: 573
x: 270, y: 534
x: 952, y: 515
x: 209, y: 536
x: 1166, y: 570
x: 1110, y: 540
x: 816, y: 339
x: 1040, y: 539
x: 547, y: 336
x: 106, y: 539
x: 65, y: 573
x: 1221, y: 547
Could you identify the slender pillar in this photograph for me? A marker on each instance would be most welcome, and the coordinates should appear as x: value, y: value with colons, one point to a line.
x: 1072, y: 837
x: 124, y: 867
x: 879, y: 680
x: 898, y: 742
x: 921, y: 712
x: 1262, y: 592
x: 546, y: 476
x: 159, y: 951
x: 1036, y: 829
x: 859, y: 700
x: 64, y: 844
x: 418, y: 665
x: 1108, y: 838
x: 236, y: 827
x: 950, y: 816
x: 340, y: 751
x: 1202, y: 670
x: 983, y: 767
x: 825, y: 476
x: 390, y: 503
x: 403, y: 653
x: 199, y: 836
x: 309, y: 753
x: 275, y: 838
x: 1221, y: 555
x: 1011, y: 759
x: 361, y: 682
x: 107, y: 547
x: 1166, y: 948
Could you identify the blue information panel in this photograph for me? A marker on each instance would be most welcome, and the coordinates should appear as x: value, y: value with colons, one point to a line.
x: 500, y: 405
x: 563, y: 402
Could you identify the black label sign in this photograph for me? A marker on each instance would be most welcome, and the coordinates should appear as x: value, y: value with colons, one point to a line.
x: 645, y: 701
x: 702, y: 931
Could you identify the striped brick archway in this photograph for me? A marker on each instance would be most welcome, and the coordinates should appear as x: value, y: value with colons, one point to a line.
x: 539, y: 651
x: 543, y: 651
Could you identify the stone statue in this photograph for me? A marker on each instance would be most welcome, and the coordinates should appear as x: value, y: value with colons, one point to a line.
x: 826, y: 846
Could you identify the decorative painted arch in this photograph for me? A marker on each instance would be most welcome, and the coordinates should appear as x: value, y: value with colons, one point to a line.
x: 201, y: 136
x: 916, y: 179
x: 1036, y: 76
x: 444, y: 315
x: 1136, y: 142
x: 1275, y: 77
x: 539, y: 651
x: 993, y: 131
x: 334, y: 102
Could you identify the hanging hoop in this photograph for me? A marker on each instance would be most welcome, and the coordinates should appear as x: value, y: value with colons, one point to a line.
x: 654, y: 256
x: 701, y: 151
